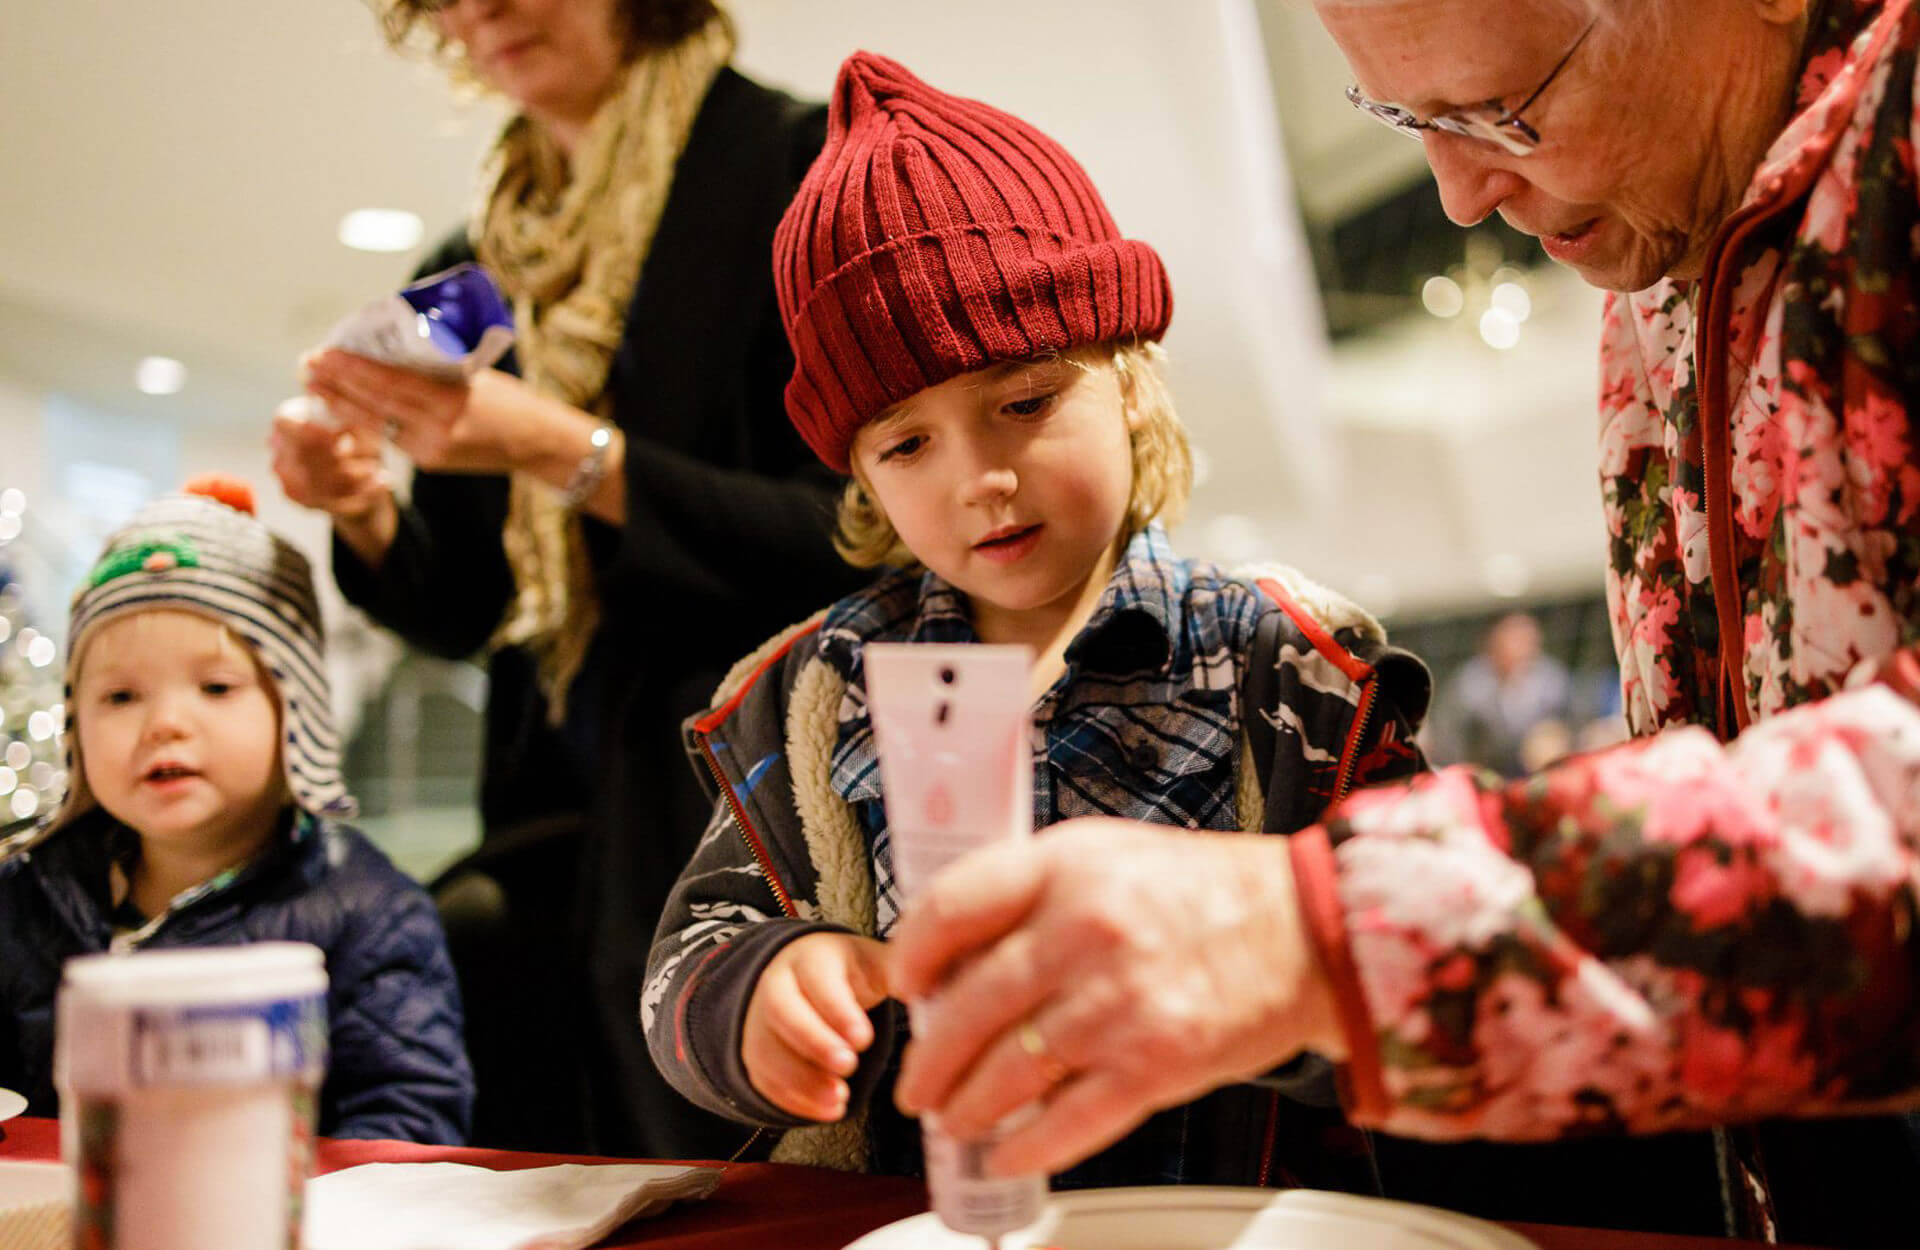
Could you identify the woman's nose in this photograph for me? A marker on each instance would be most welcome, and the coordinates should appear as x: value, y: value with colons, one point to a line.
x: 1472, y: 184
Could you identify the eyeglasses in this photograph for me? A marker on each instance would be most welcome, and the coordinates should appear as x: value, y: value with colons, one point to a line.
x: 1487, y: 122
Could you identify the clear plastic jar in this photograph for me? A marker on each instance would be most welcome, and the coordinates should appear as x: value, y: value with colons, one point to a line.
x: 188, y: 1081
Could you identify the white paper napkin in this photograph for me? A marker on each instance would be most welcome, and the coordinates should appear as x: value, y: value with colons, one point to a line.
x: 454, y: 1206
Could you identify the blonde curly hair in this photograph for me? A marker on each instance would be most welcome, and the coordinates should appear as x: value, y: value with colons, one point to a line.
x: 1162, y: 460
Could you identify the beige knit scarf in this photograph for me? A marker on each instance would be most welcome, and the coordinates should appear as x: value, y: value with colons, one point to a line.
x: 565, y: 240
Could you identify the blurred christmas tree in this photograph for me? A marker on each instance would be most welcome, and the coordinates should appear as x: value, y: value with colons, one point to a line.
x: 32, y: 707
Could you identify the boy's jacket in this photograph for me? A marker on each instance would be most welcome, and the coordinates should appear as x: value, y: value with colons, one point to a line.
x: 785, y: 855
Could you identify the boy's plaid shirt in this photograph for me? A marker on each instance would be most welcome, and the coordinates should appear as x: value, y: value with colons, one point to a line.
x: 1144, y: 724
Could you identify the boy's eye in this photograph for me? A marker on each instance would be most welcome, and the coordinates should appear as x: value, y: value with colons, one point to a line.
x: 216, y: 688
x: 117, y: 698
x: 1032, y: 406
x: 905, y: 447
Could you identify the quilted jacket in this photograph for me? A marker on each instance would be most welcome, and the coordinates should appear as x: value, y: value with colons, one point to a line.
x: 397, y: 1066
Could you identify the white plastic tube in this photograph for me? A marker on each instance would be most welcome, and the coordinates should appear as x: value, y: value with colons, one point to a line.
x: 953, y: 726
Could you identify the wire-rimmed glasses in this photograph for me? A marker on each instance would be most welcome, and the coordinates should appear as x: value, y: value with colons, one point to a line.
x: 1486, y: 122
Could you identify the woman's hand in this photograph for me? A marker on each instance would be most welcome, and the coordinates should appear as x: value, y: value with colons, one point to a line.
x: 1105, y: 970
x: 337, y: 471
x: 807, y: 1021
x: 489, y: 423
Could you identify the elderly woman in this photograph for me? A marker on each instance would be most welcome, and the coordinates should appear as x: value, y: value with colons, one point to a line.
x: 1714, y: 924
x: 613, y: 526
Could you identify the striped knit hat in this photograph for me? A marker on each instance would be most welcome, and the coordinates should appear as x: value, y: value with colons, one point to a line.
x: 204, y: 551
x: 935, y: 236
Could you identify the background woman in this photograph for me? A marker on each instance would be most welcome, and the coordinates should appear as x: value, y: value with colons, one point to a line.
x: 613, y: 526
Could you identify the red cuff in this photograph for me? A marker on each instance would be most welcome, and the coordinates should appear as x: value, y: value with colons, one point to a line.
x: 1901, y: 670
x: 1316, y: 882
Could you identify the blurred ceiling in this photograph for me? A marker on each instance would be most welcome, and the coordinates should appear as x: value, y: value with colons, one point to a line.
x: 176, y: 174
x: 177, y: 171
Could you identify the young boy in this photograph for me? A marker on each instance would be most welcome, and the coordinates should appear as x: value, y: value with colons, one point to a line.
x: 204, y: 808
x: 974, y: 341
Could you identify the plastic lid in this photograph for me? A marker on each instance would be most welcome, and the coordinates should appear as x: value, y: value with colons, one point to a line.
x: 204, y: 975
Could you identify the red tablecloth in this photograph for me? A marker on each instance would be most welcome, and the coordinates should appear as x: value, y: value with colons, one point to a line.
x: 761, y: 1206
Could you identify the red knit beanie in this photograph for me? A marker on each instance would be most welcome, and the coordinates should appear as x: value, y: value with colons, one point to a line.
x: 935, y: 236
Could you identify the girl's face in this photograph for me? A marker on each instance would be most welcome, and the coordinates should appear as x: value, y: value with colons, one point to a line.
x: 1012, y: 483
x: 556, y: 59
x: 180, y: 733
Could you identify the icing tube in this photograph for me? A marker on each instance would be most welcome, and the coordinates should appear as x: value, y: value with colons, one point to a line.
x: 953, y: 728
x: 448, y: 326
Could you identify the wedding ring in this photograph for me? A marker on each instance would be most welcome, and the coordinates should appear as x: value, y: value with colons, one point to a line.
x: 1052, y: 1071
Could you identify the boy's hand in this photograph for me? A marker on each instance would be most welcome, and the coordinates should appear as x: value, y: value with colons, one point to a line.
x: 808, y: 1022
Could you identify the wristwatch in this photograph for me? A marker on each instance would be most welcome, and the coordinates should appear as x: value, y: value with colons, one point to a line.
x: 592, y: 469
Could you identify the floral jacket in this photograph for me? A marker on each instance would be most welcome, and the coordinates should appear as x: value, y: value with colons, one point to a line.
x: 1693, y: 929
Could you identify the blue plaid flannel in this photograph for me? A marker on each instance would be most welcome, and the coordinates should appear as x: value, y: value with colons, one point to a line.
x: 1144, y: 723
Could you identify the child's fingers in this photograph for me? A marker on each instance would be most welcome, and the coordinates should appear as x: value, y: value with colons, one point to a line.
x: 827, y: 977
x: 868, y: 968
x: 789, y: 1014
x: 792, y: 1083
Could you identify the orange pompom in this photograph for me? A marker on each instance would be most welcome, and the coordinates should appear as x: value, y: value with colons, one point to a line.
x: 225, y: 488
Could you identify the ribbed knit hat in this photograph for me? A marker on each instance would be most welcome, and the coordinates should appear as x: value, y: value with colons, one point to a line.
x: 935, y: 236
x: 194, y: 552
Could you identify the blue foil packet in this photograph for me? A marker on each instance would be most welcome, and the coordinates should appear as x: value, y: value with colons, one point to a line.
x: 459, y: 306
x: 448, y: 326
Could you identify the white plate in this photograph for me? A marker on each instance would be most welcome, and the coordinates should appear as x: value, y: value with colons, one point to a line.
x: 11, y: 1104
x: 1192, y: 1217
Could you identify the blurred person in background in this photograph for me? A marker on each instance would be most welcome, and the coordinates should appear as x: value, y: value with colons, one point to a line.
x: 635, y: 494
x: 1508, y: 708
x: 1714, y: 924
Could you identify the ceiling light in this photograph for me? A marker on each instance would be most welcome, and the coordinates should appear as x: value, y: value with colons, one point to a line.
x: 1512, y: 299
x: 1443, y: 296
x: 1499, y: 329
x: 159, y: 375
x: 380, y: 229
x: 12, y: 501
x: 1506, y: 575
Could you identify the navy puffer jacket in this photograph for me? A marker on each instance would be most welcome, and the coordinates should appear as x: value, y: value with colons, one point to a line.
x: 398, y: 1067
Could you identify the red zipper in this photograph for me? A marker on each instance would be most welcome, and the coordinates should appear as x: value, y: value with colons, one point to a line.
x: 748, y: 833
x: 1266, y: 1144
x: 1356, y: 738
